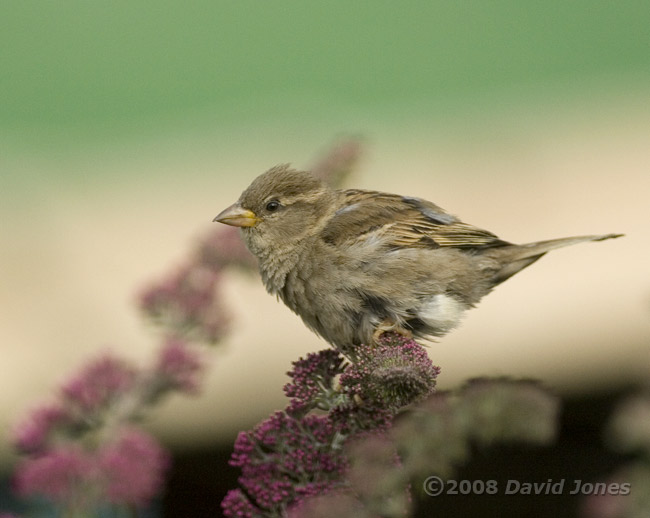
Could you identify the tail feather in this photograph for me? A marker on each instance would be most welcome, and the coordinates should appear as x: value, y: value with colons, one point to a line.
x: 515, y: 258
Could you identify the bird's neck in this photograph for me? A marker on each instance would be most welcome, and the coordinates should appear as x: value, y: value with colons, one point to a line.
x: 276, y: 266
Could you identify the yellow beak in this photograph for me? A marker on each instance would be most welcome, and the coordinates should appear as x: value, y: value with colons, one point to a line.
x: 237, y: 217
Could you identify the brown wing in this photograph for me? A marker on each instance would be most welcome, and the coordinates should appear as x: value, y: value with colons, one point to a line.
x: 402, y: 221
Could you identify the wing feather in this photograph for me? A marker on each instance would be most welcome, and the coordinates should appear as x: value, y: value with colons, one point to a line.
x: 401, y: 221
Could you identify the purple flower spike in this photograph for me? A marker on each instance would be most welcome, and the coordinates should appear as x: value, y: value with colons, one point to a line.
x: 99, y: 383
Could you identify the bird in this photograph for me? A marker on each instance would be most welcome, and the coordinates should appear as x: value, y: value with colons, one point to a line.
x: 354, y: 264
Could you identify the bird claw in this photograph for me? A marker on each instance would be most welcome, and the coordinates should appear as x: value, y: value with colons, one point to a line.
x: 388, y: 326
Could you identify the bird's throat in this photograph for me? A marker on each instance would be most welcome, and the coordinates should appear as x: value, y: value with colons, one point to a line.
x: 275, y: 266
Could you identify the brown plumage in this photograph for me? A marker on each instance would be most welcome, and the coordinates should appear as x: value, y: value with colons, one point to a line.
x: 352, y: 262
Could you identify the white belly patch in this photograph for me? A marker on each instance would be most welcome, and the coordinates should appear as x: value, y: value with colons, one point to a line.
x: 442, y: 312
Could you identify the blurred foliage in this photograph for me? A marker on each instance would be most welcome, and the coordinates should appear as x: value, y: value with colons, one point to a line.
x: 104, y: 66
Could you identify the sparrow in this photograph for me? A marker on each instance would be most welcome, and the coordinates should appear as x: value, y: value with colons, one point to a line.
x: 354, y: 263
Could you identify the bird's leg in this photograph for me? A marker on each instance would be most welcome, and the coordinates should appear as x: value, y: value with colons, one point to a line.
x: 387, y: 325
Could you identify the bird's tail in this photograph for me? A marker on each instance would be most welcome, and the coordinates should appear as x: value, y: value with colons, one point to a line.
x: 515, y: 258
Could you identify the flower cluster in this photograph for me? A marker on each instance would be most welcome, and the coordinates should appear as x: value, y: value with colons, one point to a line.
x: 179, y: 367
x: 34, y: 433
x: 98, y: 385
x: 314, y: 382
x: 433, y: 438
x: 338, y: 446
x: 187, y: 304
x: 283, y: 460
x: 391, y: 374
x: 128, y: 469
x: 301, y: 453
x: 82, y: 449
x: 132, y: 464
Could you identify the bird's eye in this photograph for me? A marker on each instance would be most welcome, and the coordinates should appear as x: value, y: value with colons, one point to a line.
x: 272, y: 206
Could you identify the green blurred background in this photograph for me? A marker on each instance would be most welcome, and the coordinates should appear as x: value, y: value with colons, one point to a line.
x: 126, y: 126
x: 78, y: 74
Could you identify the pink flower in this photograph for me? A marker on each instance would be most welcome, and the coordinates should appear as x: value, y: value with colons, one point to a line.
x: 237, y: 505
x: 132, y: 467
x: 127, y: 470
x: 284, y: 460
x: 99, y: 383
x: 180, y: 365
x: 32, y: 434
x: 61, y: 474
x: 188, y: 304
x: 313, y: 381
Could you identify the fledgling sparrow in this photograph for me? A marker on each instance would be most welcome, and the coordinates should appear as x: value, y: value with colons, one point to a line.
x: 354, y: 263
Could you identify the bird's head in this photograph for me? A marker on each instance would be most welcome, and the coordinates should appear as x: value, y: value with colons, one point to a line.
x: 280, y: 208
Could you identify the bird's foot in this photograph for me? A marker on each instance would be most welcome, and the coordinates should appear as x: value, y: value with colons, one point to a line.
x: 388, y: 326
